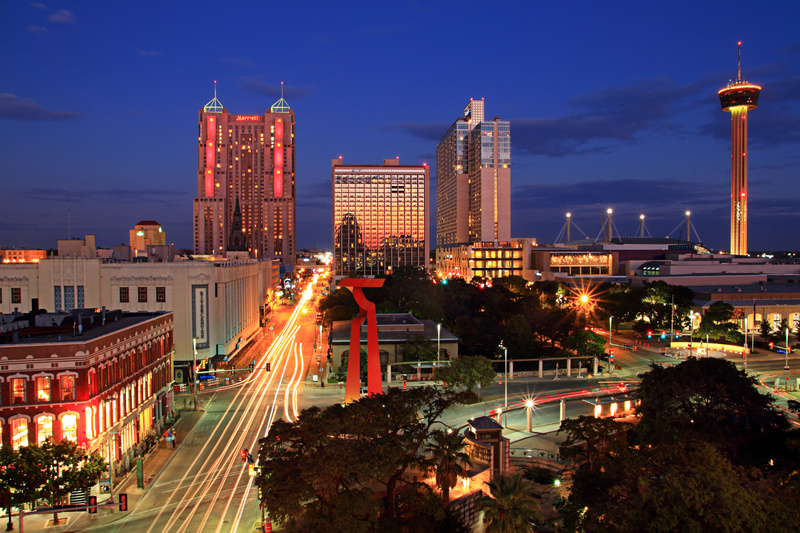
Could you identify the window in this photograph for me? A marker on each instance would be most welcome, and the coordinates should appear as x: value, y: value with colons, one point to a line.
x: 16, y: 295
x: 57, y: 297
x: 68, y: 388
x: 142, y: 295
x: 17, y: 391
x: 19, y: 433
x: 44, y: 429
x: 90, y: 421
x: 123, y: 295
x: 161, y: 294
x: 69, y: 427
x: 42, y: 389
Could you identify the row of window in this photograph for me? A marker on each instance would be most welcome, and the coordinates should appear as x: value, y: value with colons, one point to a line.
x: 16, y: 295
x: 141, y: 293
x: 43, y: 389
x: 43, y: 428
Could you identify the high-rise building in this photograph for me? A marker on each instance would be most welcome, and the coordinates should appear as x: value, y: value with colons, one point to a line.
x: 249, y: 159
x: 380, y: 217
x: 146, y: 233
x: 473, y: 190
x: 737, y: 99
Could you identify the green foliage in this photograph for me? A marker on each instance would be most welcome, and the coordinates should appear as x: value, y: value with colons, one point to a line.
x: 467, y: 371
x: 710, y: 399
x: 540, y: 476
x: 319, y: 464
x: 585, y: 343
x: 47, y: 472
x: 717, y: 324
x: 710, y: 453
x: 418, y: 348
x: 512, y: 506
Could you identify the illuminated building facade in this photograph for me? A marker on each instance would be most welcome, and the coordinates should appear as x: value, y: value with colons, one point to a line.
x: 380, y: 218
x: 490, y: 260
x: 106, y: 387
x: 144, y: 234
x: 738, y: 98
x: 249, y: 158
x: 473, y: 165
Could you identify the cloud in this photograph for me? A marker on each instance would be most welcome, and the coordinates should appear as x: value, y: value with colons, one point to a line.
x: 38, y: 5
x: 427, y: 131
x: 146, y: 53
x: 290, y: 92
x: 15, y: 108
x: 62, y: 16
x: 239, y: 61
x: 36, y: 30
x: 163, y: 196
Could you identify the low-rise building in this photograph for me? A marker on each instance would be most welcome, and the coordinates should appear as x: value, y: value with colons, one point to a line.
x: 96, y: 377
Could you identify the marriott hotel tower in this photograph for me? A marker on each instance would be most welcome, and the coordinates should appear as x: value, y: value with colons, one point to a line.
x: 249, y: 159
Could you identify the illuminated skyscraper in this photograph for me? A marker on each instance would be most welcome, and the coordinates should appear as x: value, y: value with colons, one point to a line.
x: 737, y: 98
x: 249, y: 158
x: 380, y: 218
x: 473, y: 168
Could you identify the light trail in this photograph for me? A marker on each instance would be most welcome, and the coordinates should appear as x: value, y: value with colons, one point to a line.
x: 213, y: 476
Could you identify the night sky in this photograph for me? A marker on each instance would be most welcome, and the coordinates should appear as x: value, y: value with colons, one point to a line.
x: 612, y: 104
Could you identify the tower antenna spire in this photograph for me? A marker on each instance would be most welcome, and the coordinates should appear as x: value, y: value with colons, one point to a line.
x: 215, y: 88
x: 740, y: 62
x: 281, y: 89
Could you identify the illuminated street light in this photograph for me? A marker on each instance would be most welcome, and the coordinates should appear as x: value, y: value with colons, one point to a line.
x: 529, y: 407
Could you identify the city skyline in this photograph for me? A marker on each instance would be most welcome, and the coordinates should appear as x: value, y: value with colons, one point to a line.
x: 608, y: 107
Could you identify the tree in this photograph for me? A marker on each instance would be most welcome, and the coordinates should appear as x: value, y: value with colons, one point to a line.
x: 327, y: 456
x: 684, y: 486
x: 512, y: 506
x: 589, y: 437
x: 765, y: 328
x: 585, y: 343
x: 710, y: 399
x: 449, y: 459
x: 418, y: 348
x: 67, y: 468
x: 467, y: 371
x: 717, y: 323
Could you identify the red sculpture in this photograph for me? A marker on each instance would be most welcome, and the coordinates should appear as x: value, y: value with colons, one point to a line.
x: 374, y: 385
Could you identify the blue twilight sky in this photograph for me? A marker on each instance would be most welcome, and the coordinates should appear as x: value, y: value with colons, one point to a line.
x: 612, y: 104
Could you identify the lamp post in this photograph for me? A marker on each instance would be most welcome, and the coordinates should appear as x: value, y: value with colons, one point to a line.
x: 610, y: 349
x: 529, y: 408
x: 786, y: 363
x: 505, y: 376
x: 438, y: 344
x: 691, y: 336
x: 194, y: 371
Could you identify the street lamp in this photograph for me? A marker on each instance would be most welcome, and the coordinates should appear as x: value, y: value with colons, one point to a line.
x: 438, y: 343
x: 691, y: 336
x: 505, y: 377
x: 529, y: 408
x: 786, y: 363
x: 194, y: 372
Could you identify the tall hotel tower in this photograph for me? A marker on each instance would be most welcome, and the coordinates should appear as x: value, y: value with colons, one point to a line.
x: 737, y: 98
x: 249, y: 159
x: 473, y: 168
x: 380, y: 218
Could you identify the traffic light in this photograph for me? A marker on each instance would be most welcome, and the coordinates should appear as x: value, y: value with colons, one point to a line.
x: 663, y: 334
x: 771, y: 345
x: 243, y: 453
x: 251, y: 470
x: 92, y: 505
x: 123, y: 502
x: 269, y: 366
x: 649, y: 334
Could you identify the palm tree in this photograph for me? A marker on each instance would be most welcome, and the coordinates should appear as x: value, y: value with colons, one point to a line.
x: 512, y: 507
x: 450, y: 461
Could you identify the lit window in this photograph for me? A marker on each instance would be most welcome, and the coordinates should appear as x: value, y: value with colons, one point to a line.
x: 19, y: 433
x: 42, y: 389
x: 69, y: 427
x: 44, y: 429
x: 89, y: 423
x: 17, y: 390
x: 68, y: 388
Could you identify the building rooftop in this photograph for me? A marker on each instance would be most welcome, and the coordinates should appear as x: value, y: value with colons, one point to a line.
x: 63, y: 327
